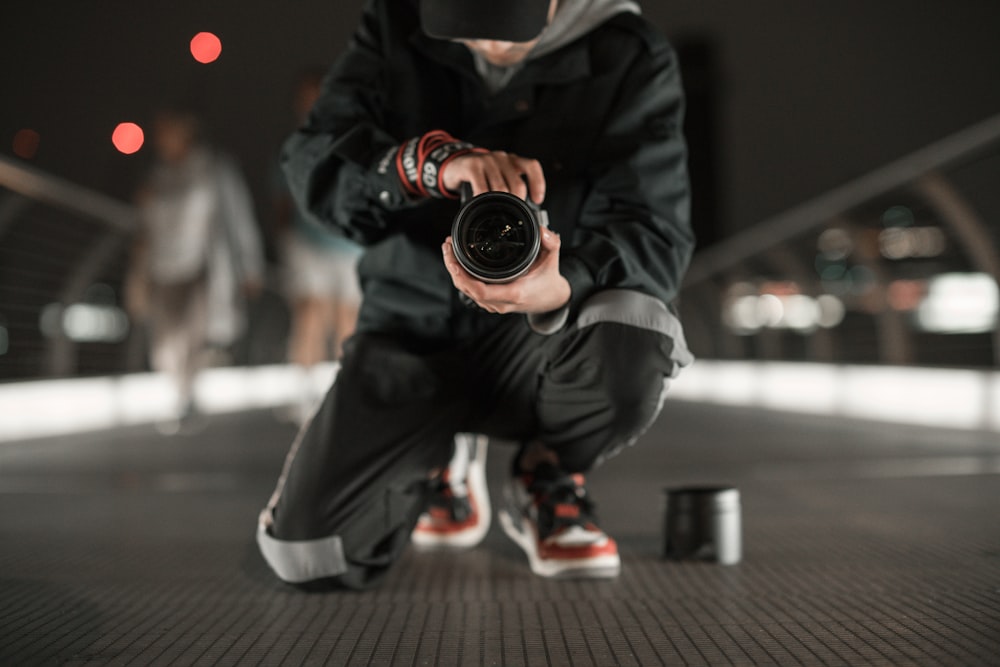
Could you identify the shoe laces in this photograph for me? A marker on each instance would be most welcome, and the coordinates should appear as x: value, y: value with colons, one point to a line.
x: 449, y: 499
x: 561, y: 501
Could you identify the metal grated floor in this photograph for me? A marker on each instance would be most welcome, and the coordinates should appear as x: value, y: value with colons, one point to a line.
x: 865, y: 544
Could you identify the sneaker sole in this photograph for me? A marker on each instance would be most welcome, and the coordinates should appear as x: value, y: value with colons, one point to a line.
x: 476, y: 481
x: 601, y: 567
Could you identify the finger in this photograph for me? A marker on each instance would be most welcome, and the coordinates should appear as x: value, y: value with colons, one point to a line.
x: 513, y: 173
x: 518, y: 186
x: 550, y: 240
x: 478, y: 183
x: 450, y: 263
x: 536, y: 178
x: 494, y: 177
x: 460, y: 278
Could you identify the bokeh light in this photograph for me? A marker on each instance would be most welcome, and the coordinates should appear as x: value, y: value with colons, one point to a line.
x: 206, y: 47
x: 835, y: 244
x: 26, y: 143
x: 906, y: 295
x: 127, y: 138
x: 778, y: 305
x: 960, y: 303
x: 903, y: 242
x: 898, y: 216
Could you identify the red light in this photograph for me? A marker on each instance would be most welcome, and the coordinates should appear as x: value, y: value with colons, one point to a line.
x: 205, y: 47
x: 127, y: 138
x: 26, y: 143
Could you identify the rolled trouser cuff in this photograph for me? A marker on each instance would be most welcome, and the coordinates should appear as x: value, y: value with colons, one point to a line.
x: 300, y: 561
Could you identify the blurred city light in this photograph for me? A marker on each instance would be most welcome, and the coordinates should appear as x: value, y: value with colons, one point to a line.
x: 906, y: 295
x: 830, y: 269
x: 862, y: 279
x: 903, y: 243
x: 779, y: 305
x: 128, y: 138
x: 206, y: 47
x: 834, y: 244
x: 960, y: 303
x: 898, y: 216
x: 26, y: 143
x: 831, y: 311
x: 85, y: 322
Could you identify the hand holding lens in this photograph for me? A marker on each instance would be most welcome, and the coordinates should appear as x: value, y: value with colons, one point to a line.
x: 496, y: 236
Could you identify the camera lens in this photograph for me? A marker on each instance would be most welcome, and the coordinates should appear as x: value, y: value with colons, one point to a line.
x: 495, y: 237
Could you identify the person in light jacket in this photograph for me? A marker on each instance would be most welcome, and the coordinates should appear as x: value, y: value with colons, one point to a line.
x: 197, y: 255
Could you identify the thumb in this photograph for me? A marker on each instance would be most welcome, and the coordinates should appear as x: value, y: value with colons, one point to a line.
x: 551, y: 241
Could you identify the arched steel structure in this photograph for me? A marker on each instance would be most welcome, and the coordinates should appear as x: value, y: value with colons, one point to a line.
x: 922, y: 173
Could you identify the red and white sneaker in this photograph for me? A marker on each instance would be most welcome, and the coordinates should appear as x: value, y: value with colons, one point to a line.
x: 459, y: 513
x: 549, y: 515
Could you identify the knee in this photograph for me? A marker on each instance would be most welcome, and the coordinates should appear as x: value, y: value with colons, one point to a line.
x: 634, y: 367
x: 612, y: 367
x: 609, y: 374
x: 622, y: 361
x: 636, y: 338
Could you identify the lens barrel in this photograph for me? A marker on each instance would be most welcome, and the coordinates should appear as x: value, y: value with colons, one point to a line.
x: 496, y: 237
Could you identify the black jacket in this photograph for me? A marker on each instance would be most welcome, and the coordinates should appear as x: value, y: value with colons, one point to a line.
x: 603, y: 115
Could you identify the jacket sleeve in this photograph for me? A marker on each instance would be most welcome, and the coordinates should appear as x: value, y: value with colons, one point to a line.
x: 338, y: 165
x: 237, y: 213
x: 634, y: 231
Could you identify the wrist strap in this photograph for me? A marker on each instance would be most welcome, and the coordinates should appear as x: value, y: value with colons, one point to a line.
x: 420, y: 161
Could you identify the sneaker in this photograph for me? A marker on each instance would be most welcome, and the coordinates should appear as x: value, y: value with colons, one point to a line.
x: 459, y: 511
x: 549, y: 515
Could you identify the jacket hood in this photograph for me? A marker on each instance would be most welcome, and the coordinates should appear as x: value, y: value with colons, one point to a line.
x: 573, y: 19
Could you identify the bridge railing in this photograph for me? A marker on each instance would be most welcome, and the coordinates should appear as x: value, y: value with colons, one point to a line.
x: 899, y: 266
x: 62, y: 254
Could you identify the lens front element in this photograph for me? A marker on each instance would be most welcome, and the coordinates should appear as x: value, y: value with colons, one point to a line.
x: 495, y: 237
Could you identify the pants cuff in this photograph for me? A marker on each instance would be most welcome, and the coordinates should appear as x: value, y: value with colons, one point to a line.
x: 299, y: 561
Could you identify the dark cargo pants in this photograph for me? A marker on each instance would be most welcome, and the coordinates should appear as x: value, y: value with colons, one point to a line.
x: 355, y: 480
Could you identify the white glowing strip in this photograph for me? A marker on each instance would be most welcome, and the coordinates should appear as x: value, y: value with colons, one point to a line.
x: 966, y: 399
x: 953, y: 398
x: 798, y: 387
x: 57, y: 407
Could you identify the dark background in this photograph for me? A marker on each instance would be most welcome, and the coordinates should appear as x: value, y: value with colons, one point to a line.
x: 788, y: 98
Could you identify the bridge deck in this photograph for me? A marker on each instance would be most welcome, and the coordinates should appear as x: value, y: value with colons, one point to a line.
x: 864, y: 544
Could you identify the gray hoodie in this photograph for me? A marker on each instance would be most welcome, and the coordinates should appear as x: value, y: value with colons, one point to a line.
x: 573, y: 19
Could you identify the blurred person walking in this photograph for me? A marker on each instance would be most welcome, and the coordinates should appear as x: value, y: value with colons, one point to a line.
x: 197, y: 255
x: 320, y: 270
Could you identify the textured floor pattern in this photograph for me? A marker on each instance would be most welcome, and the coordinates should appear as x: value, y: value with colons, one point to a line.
x: 864, y: 545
